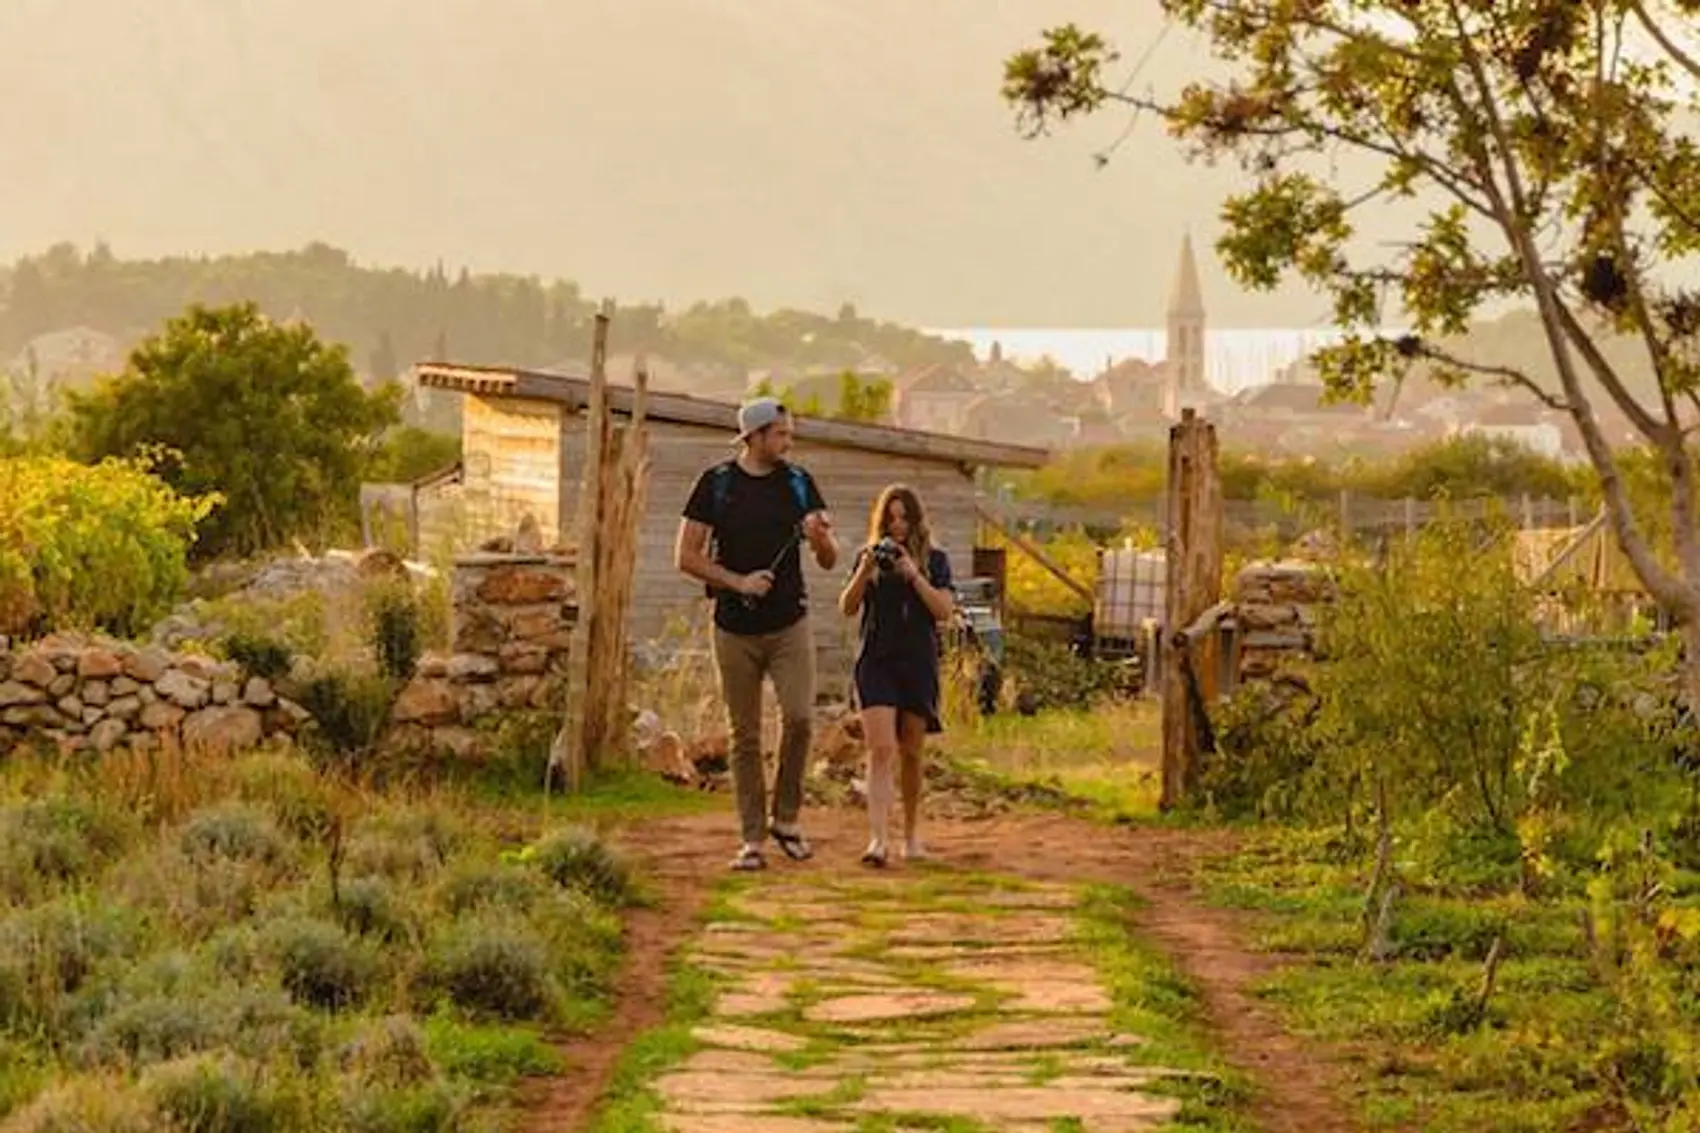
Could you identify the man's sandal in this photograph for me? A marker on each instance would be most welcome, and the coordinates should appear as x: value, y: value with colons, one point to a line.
x: 792, y: 842
x: 749, y: 859
x: 874, y: 857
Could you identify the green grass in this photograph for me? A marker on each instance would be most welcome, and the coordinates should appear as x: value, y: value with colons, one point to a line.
x: 1541, y: 1060
x: 1153, y: 1000
x: 1106, y: 757
x: 172, y: 929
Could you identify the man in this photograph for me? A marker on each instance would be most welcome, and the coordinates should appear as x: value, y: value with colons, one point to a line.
x: 758, y: 509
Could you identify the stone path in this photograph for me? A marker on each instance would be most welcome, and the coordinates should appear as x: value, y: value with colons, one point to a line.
x: 909, y: 1001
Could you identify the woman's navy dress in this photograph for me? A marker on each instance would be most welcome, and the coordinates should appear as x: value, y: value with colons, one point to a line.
x: 897, y: 660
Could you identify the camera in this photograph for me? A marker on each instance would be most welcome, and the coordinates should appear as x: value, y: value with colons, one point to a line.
x: 886, y: 553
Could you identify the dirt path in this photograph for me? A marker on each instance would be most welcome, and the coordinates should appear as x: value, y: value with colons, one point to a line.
x: 1298, y: 1087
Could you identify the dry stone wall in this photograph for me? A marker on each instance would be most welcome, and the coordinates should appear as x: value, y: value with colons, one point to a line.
x: 79, y: 694
x: 1276, y: 605
x: 512, y: 626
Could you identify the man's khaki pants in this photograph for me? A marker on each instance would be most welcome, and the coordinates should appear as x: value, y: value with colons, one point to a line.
x: 788, y: 657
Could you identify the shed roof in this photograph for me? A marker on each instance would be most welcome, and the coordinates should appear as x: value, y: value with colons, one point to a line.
x: 574, y: 392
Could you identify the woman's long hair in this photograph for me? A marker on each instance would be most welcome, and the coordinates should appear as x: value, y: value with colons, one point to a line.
x: 920, y: 541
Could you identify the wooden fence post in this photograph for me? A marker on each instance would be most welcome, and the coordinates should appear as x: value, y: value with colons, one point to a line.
x: 1194, y: 585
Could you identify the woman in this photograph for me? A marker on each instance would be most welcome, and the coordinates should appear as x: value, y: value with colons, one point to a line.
x: 900, y: 584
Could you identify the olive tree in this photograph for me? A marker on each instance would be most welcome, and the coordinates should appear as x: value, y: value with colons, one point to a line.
x: 1547, y: 152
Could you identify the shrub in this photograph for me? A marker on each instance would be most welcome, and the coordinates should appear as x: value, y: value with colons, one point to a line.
x: 320, y: 964
x: 390, y: 1054
x: 1051, y: 675
x: 48, y: 953
x: 90, y: 1105
x: 236, y: 832
x: 494, y: 965
x: 56, y: 840
x: 349, y: 712
x: 481, y: 885
x: 221, y: 1094
x: 101, y: 547
x: 369, y: 907
x: 259, y: 656
x: 575, y: 858
x: 394, y: 628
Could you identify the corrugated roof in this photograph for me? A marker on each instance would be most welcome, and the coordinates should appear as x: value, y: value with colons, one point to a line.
x: 573, y: 391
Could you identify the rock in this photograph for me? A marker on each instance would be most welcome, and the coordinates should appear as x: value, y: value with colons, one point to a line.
x: 124, y: 686
x: 473, y: 667
x: 379, y: 563
x: 528, y: 537
x: 106, y: 734
x: 257, y: 693
x: 477, y: 631
x: 95, y: 692
x: 159, y: 716
x: 538, y: 624
x: 141, y: 742
x: 223, y: 692
x: 71, y: 707
x: 427, y: 702
x: 32, y: 716
x: 223, y: 730
x: 124, y: 707
x: 523, y: 657
x: 98, y: 664
x: 522, y: 586
x: 62, y: 685
x: 477, y: 701
x: 462, y: 743
x: 200, y: 668
x: 433, y: 665
x: 14, y: 693
x: 182, y: 689
x: 147, y: 665
x: 517, y: 692
x: 667, y: 759
x: 34, y: 669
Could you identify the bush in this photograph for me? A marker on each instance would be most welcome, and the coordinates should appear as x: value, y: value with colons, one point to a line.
x: 1051, y: 675
x: 494, y: 965
x: 349, y: 712
x: 87, y: 1105
x: 208, y: 1094
x: 102, y: 547
x: 259, y: 656
x: 395, y: 628
x: 575, y: 858
x: 232, y: 831
x: 321, y: 965
x: 56, y: 840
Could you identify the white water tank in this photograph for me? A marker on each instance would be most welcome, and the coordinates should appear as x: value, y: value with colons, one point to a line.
x: 1131, y: 591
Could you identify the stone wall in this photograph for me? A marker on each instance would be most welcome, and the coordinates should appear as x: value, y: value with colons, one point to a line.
x: 511, y: 627
x: 1276, y: 607
x: 80, y: 693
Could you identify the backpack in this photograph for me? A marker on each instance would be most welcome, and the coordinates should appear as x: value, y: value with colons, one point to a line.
x: 720, y: 486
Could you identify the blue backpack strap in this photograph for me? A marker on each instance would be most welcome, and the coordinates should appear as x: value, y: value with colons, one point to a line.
x: 722, y: 487
x: 799, y: 488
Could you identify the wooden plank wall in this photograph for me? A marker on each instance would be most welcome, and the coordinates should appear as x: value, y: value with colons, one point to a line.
x: 509, y: 450
x: 850, y: 479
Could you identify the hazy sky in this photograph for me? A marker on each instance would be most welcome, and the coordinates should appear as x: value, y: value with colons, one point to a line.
x: 801, y: 152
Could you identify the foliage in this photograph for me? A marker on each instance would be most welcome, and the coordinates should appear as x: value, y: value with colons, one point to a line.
x: 390, y: 316
x: 1050, y: 675
x: 1457, y: 468
x: 170, y: 956
x: 259, y: 656
x: 1030, y: 588
x: 96, y: 547
x: 395, y: 628
x: 854, y: 398
x: 409, y: 453
x: 263, y: 413
x: 1551, y: 151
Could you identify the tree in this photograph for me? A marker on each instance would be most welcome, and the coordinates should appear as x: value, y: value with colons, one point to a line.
x: 1550, y: 148
x: 265, y: 415
x: 860, y: 400
x: 383, y: 364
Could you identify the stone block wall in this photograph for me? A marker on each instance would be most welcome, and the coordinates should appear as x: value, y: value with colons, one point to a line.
x: 512, y: 625
x: 1276, y: 606
x: 78, y: 694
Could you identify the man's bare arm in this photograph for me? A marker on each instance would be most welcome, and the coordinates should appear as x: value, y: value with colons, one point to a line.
x: 690, y: 555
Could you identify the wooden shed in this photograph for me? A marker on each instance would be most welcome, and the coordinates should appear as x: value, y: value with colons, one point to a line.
x: 523, y: 439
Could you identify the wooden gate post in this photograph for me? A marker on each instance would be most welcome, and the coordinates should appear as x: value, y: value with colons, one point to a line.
x: 1194, y: 585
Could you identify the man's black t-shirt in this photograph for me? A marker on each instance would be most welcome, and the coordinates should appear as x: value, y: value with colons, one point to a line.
x: 756, y: 527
